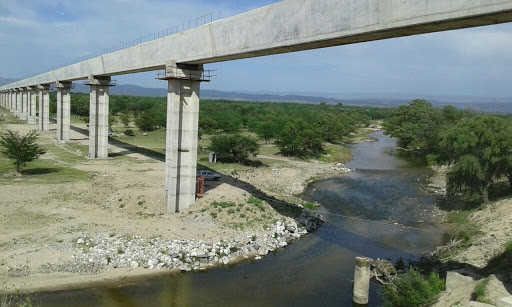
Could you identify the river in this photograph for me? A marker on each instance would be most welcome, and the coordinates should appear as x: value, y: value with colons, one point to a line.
x: 378, y: 210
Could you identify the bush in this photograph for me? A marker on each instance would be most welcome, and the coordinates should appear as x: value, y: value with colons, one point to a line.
x: 129, y: 132
x: 299, y: 139
x: 462, y: 228
x: 413, y: 289
x: 20, y: 148
x: 234, y: 147
x: 480, y: 292
x: 146, y: 122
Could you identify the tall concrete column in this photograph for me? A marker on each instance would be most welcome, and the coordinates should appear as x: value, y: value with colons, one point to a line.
x: 32, y: 110
x: 24, y: 104
x: 181, y: 135
x: 43, y: 120
x: 98, y: 117
x: 19, y: 102
x: 13, y: 102
x: 63, y: 111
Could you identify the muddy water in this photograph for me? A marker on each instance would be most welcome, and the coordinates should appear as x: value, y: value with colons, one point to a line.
x: 378, y: 210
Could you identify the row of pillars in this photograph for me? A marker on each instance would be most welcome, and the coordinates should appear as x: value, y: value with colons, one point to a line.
x: 182, y: 123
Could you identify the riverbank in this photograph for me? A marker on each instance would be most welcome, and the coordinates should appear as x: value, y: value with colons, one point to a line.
x: 105, y: 220
x: 479, y: 253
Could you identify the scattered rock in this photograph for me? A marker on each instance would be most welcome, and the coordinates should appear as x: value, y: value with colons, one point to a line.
x: 103, y: 251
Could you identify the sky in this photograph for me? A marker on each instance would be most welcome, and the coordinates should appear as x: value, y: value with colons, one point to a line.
x: 39, y: 35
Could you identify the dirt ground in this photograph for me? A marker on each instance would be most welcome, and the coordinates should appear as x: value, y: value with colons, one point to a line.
x: 43, y: 213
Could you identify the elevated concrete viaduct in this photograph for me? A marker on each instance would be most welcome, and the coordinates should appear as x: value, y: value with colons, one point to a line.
x: 287, y: 26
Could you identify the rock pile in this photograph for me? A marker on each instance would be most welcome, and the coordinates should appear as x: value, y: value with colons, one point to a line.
x: 111, y: 251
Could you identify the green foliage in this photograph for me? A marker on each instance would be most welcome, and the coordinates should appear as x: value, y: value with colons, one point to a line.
x: 480, y: 292
x: 234, y: 147
x: 311, y: 206
x: 129, y: 132
x: 125, y: 119
x: 223, y: 204
x: 299, y: 139
x: 480, y: 150
x: 508, y: 247
x: 413, y: 289
x: 258, y: 203
x: 461, y: 227
x: 20, y: 148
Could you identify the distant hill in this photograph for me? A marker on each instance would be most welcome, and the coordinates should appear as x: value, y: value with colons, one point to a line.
x: 480, y: 104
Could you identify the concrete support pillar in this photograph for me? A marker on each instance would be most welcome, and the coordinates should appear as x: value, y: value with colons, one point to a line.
x: 98, y: 117
x: 362, y: 275
x: 181, y: 135
x: 13, y: 102
x: 24, y: 104
x: 43, y: 120
x: 63, y: 111
x: 19, y: 102
x: 32, y: 109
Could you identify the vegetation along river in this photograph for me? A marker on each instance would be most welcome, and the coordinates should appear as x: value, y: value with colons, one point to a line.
x: 378, y: 210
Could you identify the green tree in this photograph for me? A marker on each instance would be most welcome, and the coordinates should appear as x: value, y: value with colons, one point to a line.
x: 20, y: 148
x: 147, y: 121
x: 416, y: 126
x: 234, y: 147
x: 126, y: 119
x: 300, y: 140
x: 479, y: 150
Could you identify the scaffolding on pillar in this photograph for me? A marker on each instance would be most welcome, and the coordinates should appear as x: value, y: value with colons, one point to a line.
x: 186, y: 72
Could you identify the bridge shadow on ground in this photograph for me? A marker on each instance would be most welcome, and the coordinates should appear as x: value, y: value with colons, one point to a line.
x: 500, y: 266
x: 283, y: 207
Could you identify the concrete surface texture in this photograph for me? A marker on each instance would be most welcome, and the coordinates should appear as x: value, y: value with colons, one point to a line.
x: 63, y: 111
x: 32, y: 118
x: 98, y: 117
x: 287, y: 26
x: 181, y: 138
x: 362, y: 275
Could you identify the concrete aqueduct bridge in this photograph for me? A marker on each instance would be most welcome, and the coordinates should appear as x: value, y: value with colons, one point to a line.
x: 287, y: 26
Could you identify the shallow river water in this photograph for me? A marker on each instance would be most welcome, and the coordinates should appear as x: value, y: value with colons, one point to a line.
x: 378, y: 210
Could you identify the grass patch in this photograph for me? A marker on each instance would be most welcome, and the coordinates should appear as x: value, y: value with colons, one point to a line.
x: 335, y: 153
x: 223, y: 204
x: 413, y: 289
x: 462, y: 227
x: 40, y: 171
x: 480, y: 292
x: 153, y: 140
x: 311, y: 206
x: 258, y: 203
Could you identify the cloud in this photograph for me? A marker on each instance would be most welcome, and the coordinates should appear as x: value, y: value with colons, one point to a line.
x: 38, y: 35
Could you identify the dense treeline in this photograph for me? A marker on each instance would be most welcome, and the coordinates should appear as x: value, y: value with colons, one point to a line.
x: 477, y: 148
x: 298, y: 129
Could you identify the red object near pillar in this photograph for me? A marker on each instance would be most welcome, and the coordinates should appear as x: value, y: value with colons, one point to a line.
x: 200, y: 187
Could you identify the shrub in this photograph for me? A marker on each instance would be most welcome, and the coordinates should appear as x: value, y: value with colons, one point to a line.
x: 20, y: 148
x: 462, y: 228
x: 413, y: 289
x: 480, y: 292
x: 234, y: 147
x: 129, y: 132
